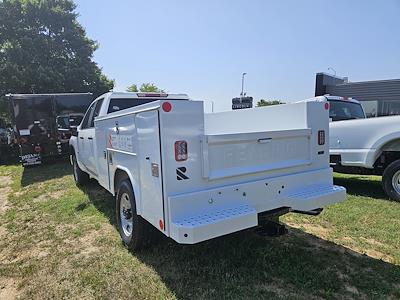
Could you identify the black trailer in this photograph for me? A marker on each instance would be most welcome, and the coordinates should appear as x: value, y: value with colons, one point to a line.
x: 43, y: 123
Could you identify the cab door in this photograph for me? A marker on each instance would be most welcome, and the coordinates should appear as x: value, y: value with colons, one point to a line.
x: 83, y: 137
x: 91, y: 149
x: 152, y: 206
x: 86, y: 138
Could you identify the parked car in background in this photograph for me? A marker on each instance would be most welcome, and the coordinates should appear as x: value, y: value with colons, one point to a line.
x: 368, y: 146
x: 40, y: 122
x: 360, y: 145
x: 341, y: 108
x: 9, y: 148
x: 66, y: 124
x: 3, y: 140
x: 197, y: 176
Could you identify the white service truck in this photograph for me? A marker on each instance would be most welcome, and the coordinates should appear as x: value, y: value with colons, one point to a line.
x: 197, y: 176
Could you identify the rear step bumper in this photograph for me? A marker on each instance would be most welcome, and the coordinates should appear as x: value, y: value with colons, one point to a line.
x: 310, y: 198
x: 208, y: 225
x: 225, y: 217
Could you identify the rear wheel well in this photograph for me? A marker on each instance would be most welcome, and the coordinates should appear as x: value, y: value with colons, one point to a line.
x: 119, y: 176
x: 385, y: 159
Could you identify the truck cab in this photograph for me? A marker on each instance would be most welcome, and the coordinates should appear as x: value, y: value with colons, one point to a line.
x: 108, y: 104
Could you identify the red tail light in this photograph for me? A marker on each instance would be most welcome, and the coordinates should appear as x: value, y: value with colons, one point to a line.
x: 321, y: 137
x: 181, y: 151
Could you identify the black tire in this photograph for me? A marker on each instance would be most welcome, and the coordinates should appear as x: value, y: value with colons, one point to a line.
x: 391, y: 175
x: 140, y: 236
x: 80, y: 177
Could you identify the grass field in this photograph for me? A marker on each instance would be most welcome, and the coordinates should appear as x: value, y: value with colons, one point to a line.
x: 57, y: 241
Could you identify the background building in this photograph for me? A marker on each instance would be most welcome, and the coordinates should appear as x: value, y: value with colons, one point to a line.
x: 379, y: 97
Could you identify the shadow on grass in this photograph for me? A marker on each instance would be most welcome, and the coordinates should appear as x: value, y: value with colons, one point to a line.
x: 101, y: 199
x: 362, y: 186
x: 245, y: 265
x: 47, y: 171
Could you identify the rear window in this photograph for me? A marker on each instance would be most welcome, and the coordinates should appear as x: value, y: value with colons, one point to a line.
x: 341, y: 110
x: 117, y: 104
x: 66, y: 122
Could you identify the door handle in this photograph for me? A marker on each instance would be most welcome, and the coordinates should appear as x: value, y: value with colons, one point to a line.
x: 81, y: 137
x: 264, y: 140
x: 148, y: 158
x: 90, y: 138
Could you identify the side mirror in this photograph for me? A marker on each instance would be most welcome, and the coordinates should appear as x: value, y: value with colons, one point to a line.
x: 74, y: 131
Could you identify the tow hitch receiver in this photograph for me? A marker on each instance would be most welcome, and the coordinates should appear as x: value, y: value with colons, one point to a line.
x: 271, y: 228
x: 269, y: 223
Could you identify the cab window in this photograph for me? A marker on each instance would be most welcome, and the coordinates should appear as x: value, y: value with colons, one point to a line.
x: 91, y: 114
x: 117, y: 104
x: 96, y: 112
x: 85, y: 121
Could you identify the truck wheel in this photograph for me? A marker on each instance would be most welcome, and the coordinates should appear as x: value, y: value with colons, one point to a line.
x: 391, y: 180
x: 134, y: 230
x: 80, y: 177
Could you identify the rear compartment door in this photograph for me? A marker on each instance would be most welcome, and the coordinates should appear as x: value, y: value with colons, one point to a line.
x: 152, y: 206
x: 227, y: 155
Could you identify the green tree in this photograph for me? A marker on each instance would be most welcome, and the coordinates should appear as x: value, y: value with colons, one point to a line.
x: 145, y: 88
x: 263, y: 102
x: 132, y: 88
x: 150, y: 88
x: 43, y: 49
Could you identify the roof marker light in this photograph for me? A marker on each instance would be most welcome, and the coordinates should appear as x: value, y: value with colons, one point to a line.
x: 152, y: 95
x: 166, y: 106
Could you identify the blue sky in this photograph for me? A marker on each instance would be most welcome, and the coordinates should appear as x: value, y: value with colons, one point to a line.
x: 202, y: 47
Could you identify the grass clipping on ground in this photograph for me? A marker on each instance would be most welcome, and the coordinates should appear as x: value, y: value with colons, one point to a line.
x: 57, y: 241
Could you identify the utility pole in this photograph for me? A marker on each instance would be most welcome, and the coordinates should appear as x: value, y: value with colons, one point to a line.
x: 243, y: 101
x: 333, y: 70
x: 242, y: 93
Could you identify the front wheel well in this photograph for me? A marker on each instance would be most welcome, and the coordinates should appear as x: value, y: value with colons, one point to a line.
x: 71, y: 150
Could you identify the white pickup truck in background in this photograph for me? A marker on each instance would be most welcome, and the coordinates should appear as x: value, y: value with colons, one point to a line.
x: 196, y: 176
x: 360, y: 145
x: 368, y: 146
